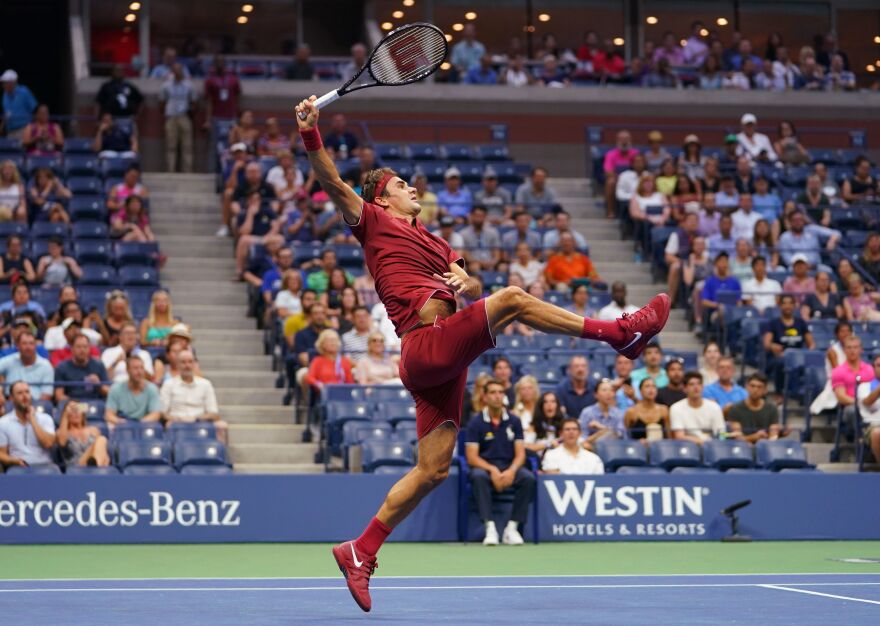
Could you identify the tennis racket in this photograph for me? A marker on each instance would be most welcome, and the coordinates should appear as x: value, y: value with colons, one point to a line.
x: 406, y: 55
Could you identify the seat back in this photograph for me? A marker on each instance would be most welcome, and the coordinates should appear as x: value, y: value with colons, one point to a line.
x: 728, y: 453
x: 377, y: 452
x: 675, y: 453
x: 180, y: 431
x: 780, y: 454
x: 617, y: 453
x: 199, y: 452
x: 141, y: 452
x: 41, y: 470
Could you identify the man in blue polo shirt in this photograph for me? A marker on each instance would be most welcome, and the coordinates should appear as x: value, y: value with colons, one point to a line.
x: 18, y: 104
x: 725, y: 391
x: 574, y: 392
x: 719, y: 280
x: 496, y: 454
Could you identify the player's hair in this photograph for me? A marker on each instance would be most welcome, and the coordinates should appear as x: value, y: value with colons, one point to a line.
x: 373, y: 177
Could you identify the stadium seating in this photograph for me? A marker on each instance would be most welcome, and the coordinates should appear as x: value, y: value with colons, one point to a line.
x: 727, y: 454
x: 617, y: 454
x: 198, y: 452
x: 679, y: 453
x: 781, y: 454
x: 143, y: 452
x: 376, y: 453
x: 33, y: 470
x: 87, y: 470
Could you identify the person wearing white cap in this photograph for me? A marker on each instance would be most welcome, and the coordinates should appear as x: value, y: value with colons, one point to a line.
x: 497, y: 200
x: 19, y: 104
x: 757, y: 146
x: 455, y: 200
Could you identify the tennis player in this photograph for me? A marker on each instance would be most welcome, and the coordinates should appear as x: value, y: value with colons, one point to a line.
x: 418, y: 277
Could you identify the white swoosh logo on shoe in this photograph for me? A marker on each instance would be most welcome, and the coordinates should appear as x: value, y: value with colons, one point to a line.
x: 354, y: 556
x: 637, y: 337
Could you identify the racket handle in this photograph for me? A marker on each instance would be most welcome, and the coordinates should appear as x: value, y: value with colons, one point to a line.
x: 323, y: 101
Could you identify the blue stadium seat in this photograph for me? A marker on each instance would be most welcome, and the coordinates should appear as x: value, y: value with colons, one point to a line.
x: 728, y: 453
x: 303, y: 253
x: 558, y: 298
x: 423, y: 152
x: 137, y: 431
x: 88, y: 470
x: 824, y: 155
x: 13, y: 228
x: 149, y: 470
x: 355, y: 432
x: 116, y: 166
x: 46, y: 230
x: 693, y: 470
x: 85, y: 208
x: 199, y: 452
x: 404, y: 169
x: 457, y: 152
x: 618, y: 453
x: 631, y: 469
x: 781, y: 454
x: 493, y: 152
x: 93, y: 297
x: 90, y: 229
x: 138, y: 276
x: 47, y: 297
x: 493, y: 280
x: 136, y: 253
x: 406, y: 431
x: 524, y: 357
x: 433, y: 170
x: 507, y: 172
x: 181, y: 431
x: 544, y: 373
x: 78, y: 145
x: 389, y: 393
x: 551, y: 342
x: 390, y: 152
x: 141, y: 452
x: 10, y: 145
x: 34, y: 163
x: 40, y: 470
x: 94, y: 410
x: 394, y: 470
x: 396, y: 412
x: 514, y: 342
x: 379, y: 452
x: 599, y: 299
x: 103, y: 275
x: 349, y: 256
x: 206, y: 470
x: 97, y: 251
x: 346, y: 411
x: 344, y: 393
x: 82, y: 165
x: 84, y: 185
x: 111, y: 182
x: 675, y: 453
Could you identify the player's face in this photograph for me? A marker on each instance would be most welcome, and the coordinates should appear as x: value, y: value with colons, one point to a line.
x: 401, y: 198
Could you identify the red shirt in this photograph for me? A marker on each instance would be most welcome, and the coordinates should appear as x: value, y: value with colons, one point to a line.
x: 223, y: 91
x: 62, y: 354
x: 323, y: 370
x: 402, y: 257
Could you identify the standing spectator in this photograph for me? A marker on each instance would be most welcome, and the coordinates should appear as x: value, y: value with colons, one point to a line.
x: 784, y: 332
x: 568, y: 264
x: 483, y: 73
x: 13, y: 206
x: 86, y: 374
x: 26, y: 434
x: 527, y: 267
x: 166, y: 67
x: 178, y: 97
x: 755, y: 145
x: 822, y: 303
x: 828, y: 50
x: 869, y: 410
x: 467, y: 52
x: 755, y: 417
x: 114, y: 140
x: 603, y: 418
x: 710, y: 73
x: 674, y: 389
x: 188, y: 398
x: 25, y: 364
x: 496, y: 455
x: 343, y: 142
x: 670, y: 49
x: 760, y: 291
x: 114, y: 359
x: 454, y: 199
x: 497, y: 200
x: 222, y: 92
x: 301, y: 68
x: 647, y: 420
x: 695, y: 50
x: 358, y: 60
x: 785, y: 71
x: 376, y: 367
x: 134, y: 398
x: 725, y: 391
x: 18, y: 105
x: 679, y: 247
x: 695, y: 418
x: 80, y: 444
x: 652, y: 357
x: 662, y: 76
x: 618, y: 305
x: 42, y: 137
x: 522, y: 233
x: 55, y: 269
x: 843, y: 377
x: 570, y: 458
x: 574, y: 392
x: 117, y: 96
x: 617, y: 159
x: 481, y: 239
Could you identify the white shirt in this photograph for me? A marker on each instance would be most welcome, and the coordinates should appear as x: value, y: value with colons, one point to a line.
x: 870, y: 414
x: 611, y: 311
x: 744, y: 224
x: 284, y: 299
x: 627, y: 183
x: 278, y: 180
x: 583, y: 463
x: 55, y: 339
x: 705, y: 422
x: 119, y: 374
x: 761, y: 294
x: 386, y: 327
x: 530, y: 273
x: 21, y: 441
x: 188, y: 401
x: 758, y: 143
x: 516, y: 78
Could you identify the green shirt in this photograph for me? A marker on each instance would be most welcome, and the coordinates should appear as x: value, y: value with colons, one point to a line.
x: 133, y: 406
x: 319, y: 280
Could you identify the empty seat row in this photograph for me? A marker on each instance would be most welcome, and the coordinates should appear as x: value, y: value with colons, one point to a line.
x: 70, y: 164
x: 178, y: 453
x: 112, y: 470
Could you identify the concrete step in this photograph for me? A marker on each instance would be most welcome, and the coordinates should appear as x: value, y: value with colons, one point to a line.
x: 218, y: 273
x: 278, y: 468
x: 211, y: 311
x: 220, y: 361
x: 272, y: 452
x: 817, y: 453
x: 199, y: 246
x: 165, y: 228
x: 230, y: 350
x: 257, y: 414
x: 229, y: 324
x: 250, y: 396
x: 265, y: 433
x: 838, y: 468
x: 258, y: 379
x: 186, y: 293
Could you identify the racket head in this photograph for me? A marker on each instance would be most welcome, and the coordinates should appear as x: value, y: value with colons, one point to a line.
x: 408, y: 54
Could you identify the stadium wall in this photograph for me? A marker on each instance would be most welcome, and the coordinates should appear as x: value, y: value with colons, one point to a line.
x: 544, y: 125
x: 311, y: 508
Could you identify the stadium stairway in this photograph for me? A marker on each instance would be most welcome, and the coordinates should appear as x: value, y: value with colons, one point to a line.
x: 262, y: 436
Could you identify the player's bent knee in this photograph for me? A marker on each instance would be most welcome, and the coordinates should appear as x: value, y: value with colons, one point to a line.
x: 512, y: 296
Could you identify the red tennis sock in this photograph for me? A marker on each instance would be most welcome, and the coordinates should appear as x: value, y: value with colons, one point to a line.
x: 373, y: 537
x: 602, y: 331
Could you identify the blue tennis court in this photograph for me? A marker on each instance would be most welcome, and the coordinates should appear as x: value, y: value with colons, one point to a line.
x: 697, y: 599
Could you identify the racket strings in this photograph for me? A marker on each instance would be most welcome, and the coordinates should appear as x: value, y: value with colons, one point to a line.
x: 413, y: 54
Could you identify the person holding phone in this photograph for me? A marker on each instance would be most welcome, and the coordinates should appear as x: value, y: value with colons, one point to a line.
x: 26, y: 435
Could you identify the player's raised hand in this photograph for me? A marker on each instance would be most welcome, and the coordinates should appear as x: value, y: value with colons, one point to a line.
x: 453, y: 280
x: 307, y: 113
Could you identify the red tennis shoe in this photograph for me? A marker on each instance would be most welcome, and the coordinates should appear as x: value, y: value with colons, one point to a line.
x: 642, y: 326
x: 357, y: 572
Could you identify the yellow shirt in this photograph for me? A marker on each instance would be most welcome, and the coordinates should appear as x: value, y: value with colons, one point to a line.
x: 428, y: 202
x: 294, y: 324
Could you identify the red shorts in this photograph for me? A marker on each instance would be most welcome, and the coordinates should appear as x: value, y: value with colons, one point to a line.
x: 434, y: 362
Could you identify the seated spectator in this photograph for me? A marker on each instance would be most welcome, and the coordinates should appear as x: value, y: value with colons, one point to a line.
x: 14, y: 266
x: 515, y: 74
x: 684, y: 194
x: 535, y: 196
x: 166, y: 365
x: 280, y: 263
x: 679, y: 247
x: 189, y: 398
x: 13, y: 206
x: 527, y: 394
x: 647, y: 419
x: 765, y: 202
x: 482, y: 240
x: 285, y: 177
x: 695, y: 269
x: 132, y: 222
x: 257, y: 225
x: 755, y: 417
x: 570, y: 457
x: 859, y: 305
x: 46, y: 195
x: 652, y: 357
x: 80, y: 444
x: 843, y: 377
x: 725, y: 391
x: 727, y: 196
x: 691, y: 162
x: 159, y: 321
x: 273, y: 140
x: 741, y: 262
x: 523, y: 233
x: 616, y: 160
x: 869, y: 409
x: 328, y: 367
x: 542, y: 433
x: 304, y: 342
x: 86, y: 373
x: 332, y: 296
x: 117, y: 313
x: 497, y: 200
x: 624, y: 394
x: 822, y: 304
x: 28, y: 366
x: 42, y: 137
x: 667, y: 177
x: 366, y: 162
x: 755, y: 145
x: 674, y: 389
x: 296, y: 322
x: 711, y: 76
x: 562, y: 224
x: 838, y: 77
x: 580, y: 299
x: 799, y: 242
x: 426, y: 198
x: 115, y: 359
x: 628, y: 180
x: 55, y: 337
x: 662, y: 76
x: 21, y: 304
x: 56, y: 269
x: 870, y: 259
x: 789, y: 147
x: 496, y: 455
x: 695, y: 418
x: 355, y: 341
x: 670, y: 49
x: 766, y: 80
x: 552, y: 75
x: 574, y: 391
x: 114, y: 140
x: 785, y: 70
x: 568, y: 264
x: 244, y: 190
x: 800, y: 284
x: 844, y: 270
x: 343, y: 142
x: 764, y: 242
x: 131, y: 185
x: 745, y: 218
x: 745, y: 78
x: 376, y: 366
x: 647, y: 196
x: 760, y: 291
x: 448, y: 234
x: 603, y: 418
x: 784, y: 332
x: 454, y: 200
x: 656, y: 155
x: 288, y: 301
x: 710, y: 181
x: 134, y: 398
x: 529, y: 269
x: 482, y: 74
x: 719, y: 280
x: 70, y: 328
x: 26, y: 434
x: 19, y: 325
x: 860, y: 187
x: 365, y: 287
x: 502, y: 371
x: 711, y: 357
x: 301, y: 68
x: 618, y: 305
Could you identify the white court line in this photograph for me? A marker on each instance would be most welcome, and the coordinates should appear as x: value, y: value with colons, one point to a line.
x: 816, y: 593
x: 423, y: 587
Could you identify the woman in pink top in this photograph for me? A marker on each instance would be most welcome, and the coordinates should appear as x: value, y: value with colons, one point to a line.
x: 42, y: 137
x: 859, y: 305
x: 132, y: 223
x: 130, y: 186
x: 801, y: 283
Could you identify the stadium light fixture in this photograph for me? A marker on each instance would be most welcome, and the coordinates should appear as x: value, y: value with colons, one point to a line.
x: 871, y: 68
x: 683, y: 42
x: 457, y: 26
x: 408, y: 3
x: 544, y: 17
x: 130, y: 17
x: 387, y: 25
x: 877, y: 39
x: 722, y: 21
x: 397, y: 14
x: 704, y: 32
x: 134, y: 6
x: 618, y: 41
x: 651, y: 19
x: 448, y: 37
x: 247, y: 8
x: 445, y: 65
x: 470, y: 15
x: 242, y: 19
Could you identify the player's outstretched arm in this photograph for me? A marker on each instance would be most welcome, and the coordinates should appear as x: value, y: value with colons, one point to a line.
x: 343, y: 196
